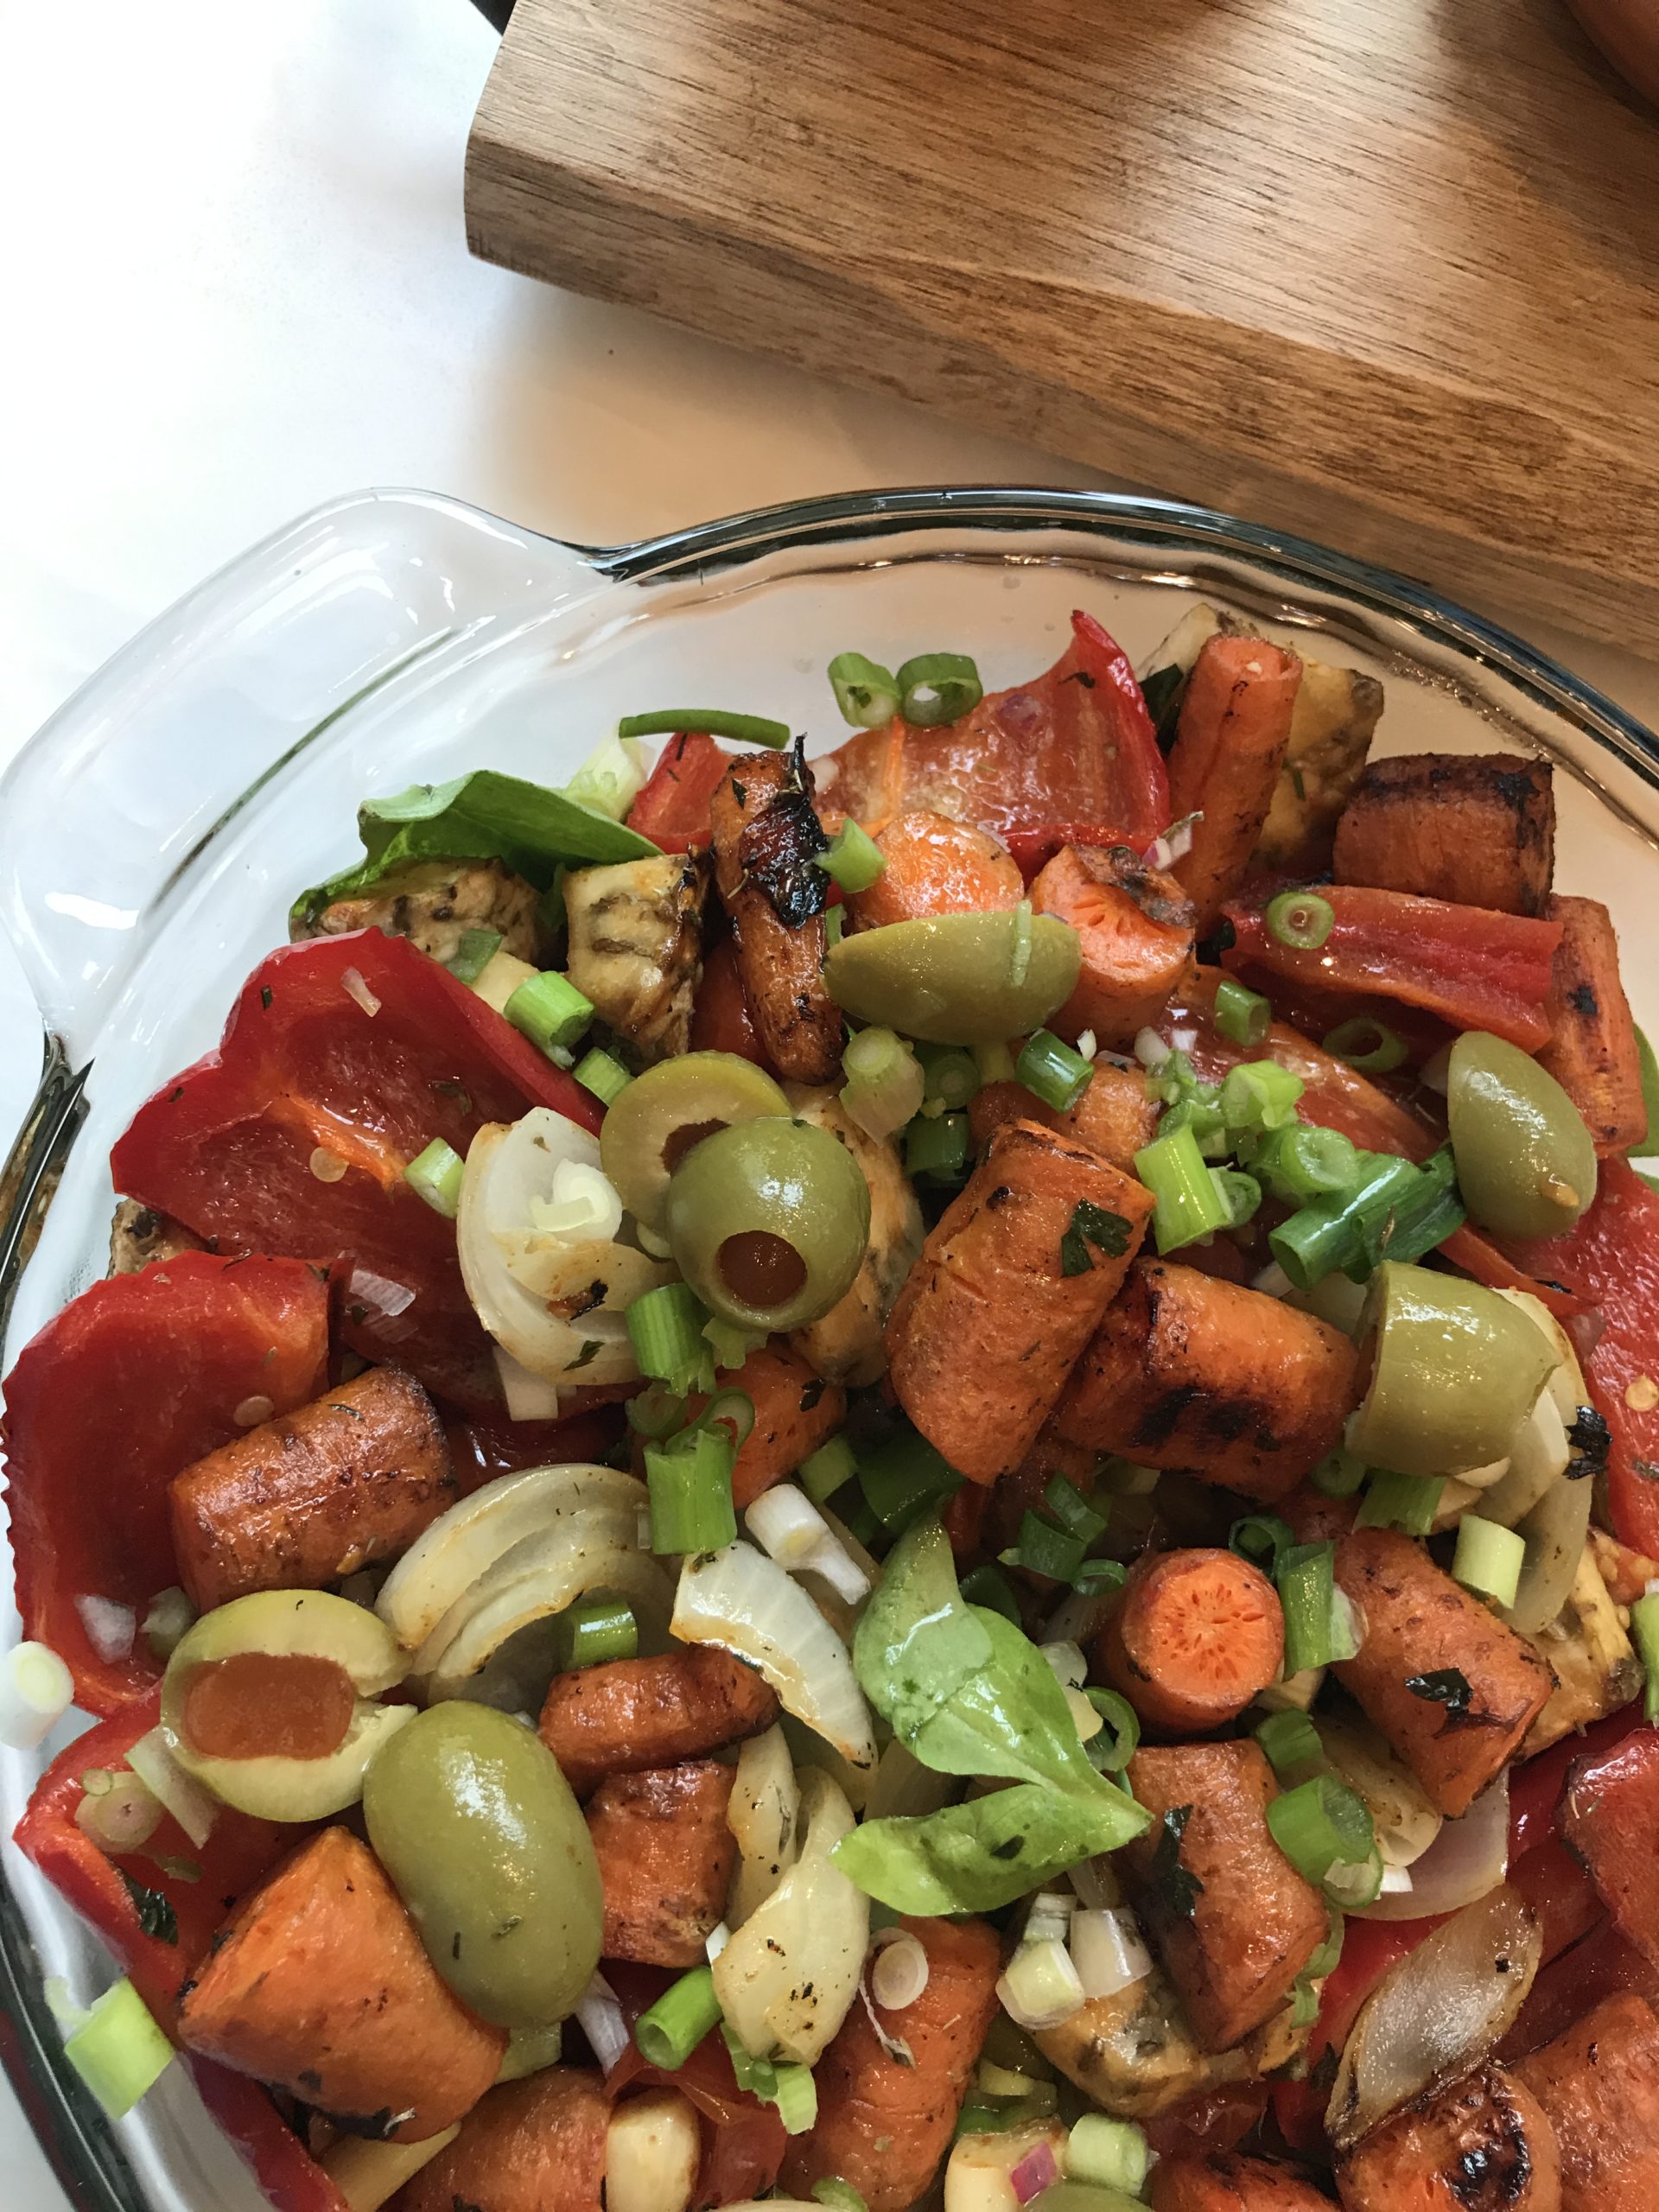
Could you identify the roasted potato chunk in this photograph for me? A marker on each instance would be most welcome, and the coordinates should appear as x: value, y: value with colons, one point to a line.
x: 846, y: 1345
x: 636, y: 948
x: 138, y: 1235
x: 1596, y: 1669
x: 435, y: 903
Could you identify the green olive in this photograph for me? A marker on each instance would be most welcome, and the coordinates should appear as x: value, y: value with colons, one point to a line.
x: 1526, y: 1164
x: 1455, y: 1370
x: 470, y: 1815
x: 649, y: 1127
x: 958, y: 979
x: 768, y: 1223
x: 270, y: 1701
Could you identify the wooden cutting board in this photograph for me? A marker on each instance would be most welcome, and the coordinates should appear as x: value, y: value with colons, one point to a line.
x: 1383, y: 271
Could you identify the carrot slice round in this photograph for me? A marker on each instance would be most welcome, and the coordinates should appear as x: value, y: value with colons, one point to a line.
x: 1194, y: 1637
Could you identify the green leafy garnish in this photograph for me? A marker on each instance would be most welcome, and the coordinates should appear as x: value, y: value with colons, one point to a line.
x: 156, y: 1914
x: 1092, y: 1224
x: 1446, y: 1686
x: 968, y: 1694
x: 483, y: 816
x: 1174, y: 1884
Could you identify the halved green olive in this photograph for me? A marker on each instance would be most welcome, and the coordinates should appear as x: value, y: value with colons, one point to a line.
x: 270, y: 1702
x: 649, y: 1127
x: 1526, y: 1163
x: 1455, y: 1368
x: 471, y: 1815
x: 958, y: 979
x: 768, y: 1223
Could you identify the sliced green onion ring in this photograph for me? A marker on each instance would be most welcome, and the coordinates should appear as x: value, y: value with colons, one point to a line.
x: 1366, y: 1044
x: 1050, y: 1071
x: 434, y: 1175
x: 1243, y: 1016
x: 852, y: 858
x: 1320, y: 1824
x: 1489, y: 1558
x: 867, y: 693
x: 938, y: 688
x: 1300, y: 918
x: 672, y: 2029
x: 1117, y: 1742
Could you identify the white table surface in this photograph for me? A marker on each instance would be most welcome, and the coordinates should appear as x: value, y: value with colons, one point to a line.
x: 234, y: 282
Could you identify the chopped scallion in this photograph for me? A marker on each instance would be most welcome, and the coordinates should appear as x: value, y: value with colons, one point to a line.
x: 952, y: 1076
x: 1073, y: 1509
x: 852, y: 858
x: 938, y: 688
x: 822, y: 1472
x: 987, y: 1586
x: 796, y: 2097
x: 1107, y: 2153
x: 665, y: 1328
x: 1489, y: 1558
x: 1259, y: 1095
x: 1178, y: 1175
x: 840, y: 2196
x: 1303, y: 1161
x: 1240, y: 1194
x: 1261, y: 1538
x: 885, y: 1082
x: 903, y: 1477
x: 1339, y: 1474
x: 1300, y: 918
x: 611, y: 777
x: 1366, y: 1044
x: 1116, y: 1743
x: 706, y: 722
x: 1408, y: 1503
x: 1320, y: 1824
x: 867, y: 693
x: 689, y: 1479
x: 551, y: 1011
x: 1290, y: 1740
x: 596, y: 1630
x: 1644, y: 1634
x: 474, y: 954
x: 670, y: 2029
x: 1043, y: 1548
x: 602, y: 1074
x: 434, y: 1175
x: 1243, y: 1016
x: 1316, y: 1629
x: 1050, y: 1071
x: 936, y: 1150
x: 118, y: 2050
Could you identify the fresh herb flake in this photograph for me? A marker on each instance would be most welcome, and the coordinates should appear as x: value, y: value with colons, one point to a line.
x: 1177, y: 1886
x: 1092, y: 1224
x: 156, y: 1914
x: 1446, y: 1686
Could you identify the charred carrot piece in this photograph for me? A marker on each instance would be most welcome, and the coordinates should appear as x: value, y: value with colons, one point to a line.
x: 766, y: 841
x: 1114, y: 1117
x: 666, y: 1858
x: 298, y: 1502
x: 1009, y: 1286
x: 1193, y: 1637
x: 319, y: 1984
x: 1592, y: 1050
x: 1186, y: 1370
x: 885, y: 2123
x: 1222, y: 2181
x: 795, y: 1410
x: 1487, y: 2129
x: 1235, y: 726
x: 1453, y: 1688
x: 1135, y: 924
x: 1611, y: 1817
x: 535, y: 2145
x: 628, y: 1715
x: 934, y: 866
x: 1476, y: 830
x: 1599, y: 2085
x: 1234, y: 1921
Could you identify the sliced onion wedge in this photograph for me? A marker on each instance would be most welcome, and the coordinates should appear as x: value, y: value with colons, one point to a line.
x: 508, y: 1165
x: 1436, y: 2014
x: 1468, y: 1858
x: 743, y: 1601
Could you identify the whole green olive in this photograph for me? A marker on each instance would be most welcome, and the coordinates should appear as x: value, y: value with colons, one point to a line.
x: 768, y: 1223
x: 958, y: 979
x: 1526, y: 1163
x: 471, y: 1817
x: 1455, y: 1370
x: 649, y: 1127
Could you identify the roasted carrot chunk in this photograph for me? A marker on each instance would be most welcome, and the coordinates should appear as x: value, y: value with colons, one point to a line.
x: 319, y: 1984
x: 1114, y: 1117
x: 794, y: 1411
x: 1188, y: 1371
x: 1234, y: 728
x: 884, y: 2123
x: 1478, y: 830
x: 1453, y: 1688
x: 767, y: 841
x: 1484, y: 2145
x: 1008, y: 1288
x: 311, y: 1496
x: 1592, y: 1050
x: 1224, y: 2181
x: 1135, y: 924
x: 666, y: 1858
x: 1611, y: 1817
x: 535, y: 2145
x: 628, y: 1715
x: 1234, y: 1921
x: 936, y: 866
x: 1599, y: 2084
x: 1193, y: 1637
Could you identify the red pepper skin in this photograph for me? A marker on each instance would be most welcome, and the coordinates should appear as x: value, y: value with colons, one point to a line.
x: 721, y: 1021
x: 1369, y: 1949
x: 673, y: 806
x: 1556, y: 1885
x: 1536, y: 1786
x: 743, y: 2140
x: 285, y: 2170
x: 481, y: 1449
x: 1612, y: 1259
x: 235, y: 1858
x: 1077, y: 745
x: 226, y: 1147
x: 1603, y: 1965
x: 135, y: 1379
x: 1474, y: 969
x: 1033, y: 844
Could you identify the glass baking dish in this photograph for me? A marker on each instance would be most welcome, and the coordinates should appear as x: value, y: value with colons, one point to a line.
x: 153, y: 834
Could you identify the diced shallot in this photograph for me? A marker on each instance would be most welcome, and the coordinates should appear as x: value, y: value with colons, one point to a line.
x: 1108, y: 1952
x: 600, y: 2017
x: 899, y: 1974
x: 1038, y: 2171
x: 110, y: 1628
x: 355, y: 988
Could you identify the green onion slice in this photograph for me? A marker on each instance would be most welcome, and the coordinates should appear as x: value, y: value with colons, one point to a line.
x: 1243, y: 1016
x: 826, y: 1470
x: 1073, y: 1510
x: 1408, y: 1503
x: 1339, y: 1474
x: 1320, y: 1824
x: 903, y: 1477
x: 1043, y: 1547
x: 937, y: 1148
x: 852, y: 858
x: 665, y: 1328
x: 1261, y: 1538
x: 952, y: 1075
x: 867, y: 693
x: 551, y: 1011
x: 987, y: 1586
x: 434, y: 1175
x: 689, y: 1479
x: 1366, y: 1044
x: 602, y: 1074
x: 474, y: 954
x: 596, y: 1630
x: 1300, y: 918
x: 938, y: 688
x: 1644, y: 1634
x: 1290, y: 1740
x: 1050, y: 1071
x: 1117, y: 1742
x: 672, y: 2029
x: 1189, y: 1203
x: 1489, y: 1558
x: 706, y: 722
x: 118, y: 2050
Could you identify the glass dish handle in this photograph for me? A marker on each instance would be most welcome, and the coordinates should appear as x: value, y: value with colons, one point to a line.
x: 103, y: 810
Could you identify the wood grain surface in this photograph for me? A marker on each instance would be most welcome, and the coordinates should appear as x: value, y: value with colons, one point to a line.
x: 1385, y: 271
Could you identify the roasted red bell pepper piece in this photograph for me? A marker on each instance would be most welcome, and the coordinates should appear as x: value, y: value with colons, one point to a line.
x: 673, y: 806
x: 1077, y: 745
x: 721, y: 1021
x: 743, y: 2141
x: 236, y: 1856
x: 1556, y: 1885
x: 1369, y: 1949
x: 289, y: 2176
x: 1537, y: 1786
x: 304, y: 1069
x: 484, y: 1447
x: 1612, y: 1259
x: 1474, y: 968
x: 1603, y: 1965
x: 1033, y: 844
x: 135, y: 1379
